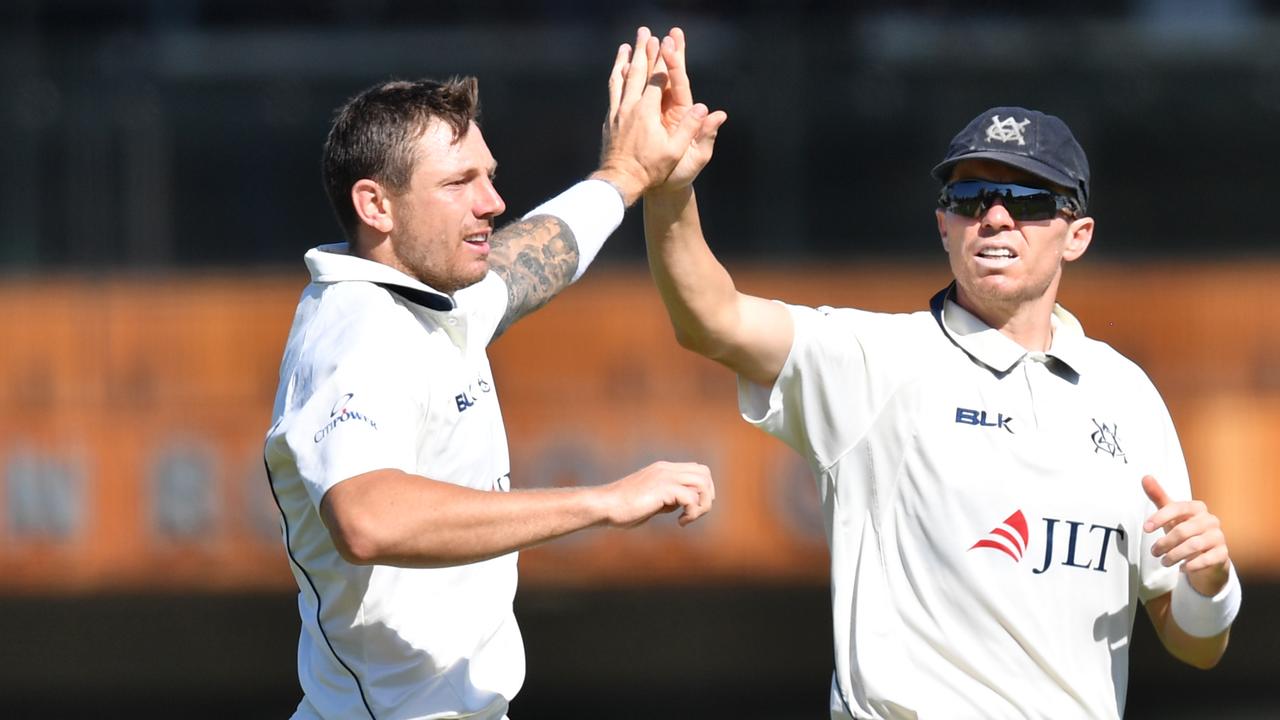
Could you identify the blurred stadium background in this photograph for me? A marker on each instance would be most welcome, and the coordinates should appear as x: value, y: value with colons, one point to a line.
x: 160, y: 183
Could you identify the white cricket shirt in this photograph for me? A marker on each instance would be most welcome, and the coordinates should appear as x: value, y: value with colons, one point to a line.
x: 381, y: 371
x: 983, y: 506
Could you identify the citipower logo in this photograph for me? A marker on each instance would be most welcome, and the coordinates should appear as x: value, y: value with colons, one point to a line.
x: 1009, y: 537
x: 340, y: 414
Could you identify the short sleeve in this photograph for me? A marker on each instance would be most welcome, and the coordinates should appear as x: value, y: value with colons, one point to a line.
x: 358, y: 419
x: 840, y: 370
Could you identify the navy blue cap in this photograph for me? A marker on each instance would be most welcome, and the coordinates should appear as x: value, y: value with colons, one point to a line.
x: 1027, y: 139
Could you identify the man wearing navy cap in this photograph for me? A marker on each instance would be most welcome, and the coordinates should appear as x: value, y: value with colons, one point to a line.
x: 999, y: 491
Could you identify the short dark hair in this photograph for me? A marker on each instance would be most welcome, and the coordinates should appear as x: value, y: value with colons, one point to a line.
x: 373, y: 135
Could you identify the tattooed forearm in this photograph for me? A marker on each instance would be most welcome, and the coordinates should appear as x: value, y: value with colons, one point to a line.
x: 537, y: 258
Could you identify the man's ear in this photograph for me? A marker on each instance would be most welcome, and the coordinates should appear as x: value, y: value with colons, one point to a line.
x: 372, y: 203
x: 942, y: 228
x: 1079, y: 235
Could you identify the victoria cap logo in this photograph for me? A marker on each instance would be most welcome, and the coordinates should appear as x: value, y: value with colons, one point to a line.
x: 1007, y: 130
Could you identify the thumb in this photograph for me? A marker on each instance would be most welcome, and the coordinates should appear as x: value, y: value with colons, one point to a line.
x: 689, y: 126
x: 1155, y: 492
x: 711, y: 125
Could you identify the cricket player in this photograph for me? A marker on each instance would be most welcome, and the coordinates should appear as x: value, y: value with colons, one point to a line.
x: 387, y: 455
x: 999, y: 491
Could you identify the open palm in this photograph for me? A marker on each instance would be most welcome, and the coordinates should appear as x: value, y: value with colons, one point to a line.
x: 677, y: 98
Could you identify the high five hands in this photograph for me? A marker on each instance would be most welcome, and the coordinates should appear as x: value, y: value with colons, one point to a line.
x: 1192, y: 536
x: 654, y: 137
x: 677, y: 100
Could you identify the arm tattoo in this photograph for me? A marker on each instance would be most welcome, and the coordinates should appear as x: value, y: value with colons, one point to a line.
x: 536, y: 258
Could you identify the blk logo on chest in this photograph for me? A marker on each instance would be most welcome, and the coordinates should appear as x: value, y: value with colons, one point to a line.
x: 981, y: 418
x: 467, y: 398
x: 1076, y: 544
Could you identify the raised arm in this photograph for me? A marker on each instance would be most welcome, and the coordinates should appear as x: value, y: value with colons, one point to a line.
x: 536, y: 257
x: 540, y: 255
x: 749, y: 335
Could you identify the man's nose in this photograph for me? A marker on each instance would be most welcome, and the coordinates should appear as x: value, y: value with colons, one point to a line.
x: 996, y: 216
x: 489, y: 203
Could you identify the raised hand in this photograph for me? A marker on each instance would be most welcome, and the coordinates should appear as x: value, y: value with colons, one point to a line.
x: 662, y: 487
x: 677, y: 98
x: 639, y: 150
x: 1192, y: 536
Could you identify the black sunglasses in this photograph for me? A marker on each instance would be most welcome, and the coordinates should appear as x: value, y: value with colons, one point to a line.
x: 972, y: 198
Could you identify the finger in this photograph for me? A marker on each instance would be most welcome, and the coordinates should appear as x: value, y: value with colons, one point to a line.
x: 637, y: 72
x: 706, y: 495
x: 1180, y: 532
x: 1169, y: 516
x: 1190, y: 547
x: 617, y: 76
x: 673, y: 57
x: 685, y: 497
x: 651, y: 51
x: 698, y: 477
x: 659, y: 77
x: 1154, y: 491
x: 710, y: 127
x: 1189, y: 543
x: 706, y: 498
x: 1160, y: 499
x: 689, y: 126
x: 695, y: 510
x: 1213, y: 558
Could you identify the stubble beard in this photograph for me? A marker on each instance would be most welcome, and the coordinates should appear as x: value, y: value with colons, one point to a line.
x: 1007, y: 300
x: 418, y: 263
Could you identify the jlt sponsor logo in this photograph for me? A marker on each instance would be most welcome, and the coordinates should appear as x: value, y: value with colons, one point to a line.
x: 1076, y: 543
x: 468, y: 397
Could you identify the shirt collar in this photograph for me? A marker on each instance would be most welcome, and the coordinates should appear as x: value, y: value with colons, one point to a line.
x: 335, y: 263
x: 997, y: 350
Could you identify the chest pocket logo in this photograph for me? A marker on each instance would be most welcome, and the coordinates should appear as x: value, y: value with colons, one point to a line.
x: 468, y: 398
x: 1106, y: 441
x: 980, y: 418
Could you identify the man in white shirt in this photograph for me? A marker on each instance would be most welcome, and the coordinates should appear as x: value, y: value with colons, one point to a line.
x: 387, y: 455
x: 999, y: 491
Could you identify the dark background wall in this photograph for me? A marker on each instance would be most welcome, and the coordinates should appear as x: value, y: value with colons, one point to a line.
x: 160, y: 134
x: 678, y: 653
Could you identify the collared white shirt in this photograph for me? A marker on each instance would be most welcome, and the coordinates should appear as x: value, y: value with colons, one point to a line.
x: 983, y: 506
x: 381, y: 371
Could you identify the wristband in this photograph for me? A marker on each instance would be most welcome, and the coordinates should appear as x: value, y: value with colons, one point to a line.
x: 1202, y: 616
x: 592, y: 209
